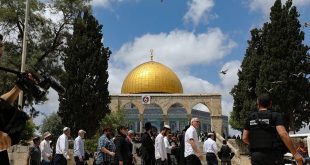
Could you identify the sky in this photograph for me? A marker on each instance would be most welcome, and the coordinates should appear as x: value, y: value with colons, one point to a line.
x: 195, y: 38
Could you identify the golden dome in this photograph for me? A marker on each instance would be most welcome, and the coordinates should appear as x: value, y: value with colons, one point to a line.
x: 152, y: 77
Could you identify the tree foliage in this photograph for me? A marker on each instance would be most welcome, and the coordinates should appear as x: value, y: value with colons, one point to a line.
x: 28, y: 132
x: 86, y: 100
x: 276, y: 63
x: 52, y: 124
x: 113, y: 120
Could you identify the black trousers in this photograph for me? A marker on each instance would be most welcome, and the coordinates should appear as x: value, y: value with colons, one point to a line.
x: 60, y: 160
x: 77, y: 161
x: 192, y: 160
x: 160, y: 162
x: 211, y: 159
x: 148, y: 161
x: 266, y: 158
x: 4, y: 158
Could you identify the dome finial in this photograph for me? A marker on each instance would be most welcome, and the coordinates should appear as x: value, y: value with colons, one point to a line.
x: 151, y: 50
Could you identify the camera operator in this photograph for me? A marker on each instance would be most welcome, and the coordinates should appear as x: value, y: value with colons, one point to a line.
x: 12, y: 121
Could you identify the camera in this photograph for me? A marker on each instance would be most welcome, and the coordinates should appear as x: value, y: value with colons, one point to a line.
x: 36, y: 83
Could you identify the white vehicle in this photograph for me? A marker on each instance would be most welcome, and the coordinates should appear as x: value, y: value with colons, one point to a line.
x: 288, y: 157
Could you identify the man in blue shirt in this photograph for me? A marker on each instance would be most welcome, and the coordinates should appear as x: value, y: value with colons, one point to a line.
x: 103, y: 144
x: 79, y: 153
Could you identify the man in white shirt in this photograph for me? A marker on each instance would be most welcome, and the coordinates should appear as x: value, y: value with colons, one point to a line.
x: 168, y: 147
x: 79, y: 153
x: 160, y: 149
x: 192, y: 153
x: 46, y: 150
x: 210, y: 148
x: 62, y: 148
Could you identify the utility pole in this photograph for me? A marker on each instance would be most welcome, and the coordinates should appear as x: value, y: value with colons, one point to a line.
x: 24, y: 53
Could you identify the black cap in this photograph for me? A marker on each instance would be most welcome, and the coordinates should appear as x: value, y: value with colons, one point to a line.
x: 36, y: 138
x: 147, y: 125
x: 121, y: 127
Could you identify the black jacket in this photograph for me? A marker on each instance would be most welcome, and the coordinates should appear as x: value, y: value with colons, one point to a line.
x: 147, y: 147
x: 123, y: 152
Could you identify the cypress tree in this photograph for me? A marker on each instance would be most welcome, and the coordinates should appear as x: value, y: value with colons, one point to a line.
x: 281, y: 69
x: 86, y: 100
x: 244, y: 92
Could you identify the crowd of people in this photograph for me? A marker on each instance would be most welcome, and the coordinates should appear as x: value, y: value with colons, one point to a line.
x: 166, y: 148
x: 41, y: 153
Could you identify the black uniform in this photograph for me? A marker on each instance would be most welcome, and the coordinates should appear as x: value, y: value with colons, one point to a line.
x: 12, y: 122
x: 266, y: 146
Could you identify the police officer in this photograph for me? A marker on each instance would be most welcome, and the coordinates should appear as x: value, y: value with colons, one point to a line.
x: 264, y: 131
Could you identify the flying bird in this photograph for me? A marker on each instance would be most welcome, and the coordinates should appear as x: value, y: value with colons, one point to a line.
x: 297, y: 75
x: 276, y: 82
x: 224, y: 71
x: 269, y: 90
x: 249, y: 89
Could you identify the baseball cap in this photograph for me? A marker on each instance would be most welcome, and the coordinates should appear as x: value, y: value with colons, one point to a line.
x: 167, y: 126
x: 82, y: 131
x: 66, y: 129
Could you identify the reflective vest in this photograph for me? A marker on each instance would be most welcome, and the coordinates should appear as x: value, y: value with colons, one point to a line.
x: 262, y: 131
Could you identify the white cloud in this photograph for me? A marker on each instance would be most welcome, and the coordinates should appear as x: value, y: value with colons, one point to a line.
x: 193, y: 84
x: 227, y: 83
x: 184, y: 47
x: 230, y: 78
x: 48, y: 107
x: 101, y: 3
x: 52, y: 14
x: 265, y: 5
x: 198, y: 10
x: 105, y: 3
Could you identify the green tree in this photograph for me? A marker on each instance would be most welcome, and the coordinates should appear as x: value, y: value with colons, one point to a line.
x: 244, y: 92
x: 52, y: 124
x: 280, y: 70
x: 114, y: 119
x: 87, y: 99
x: 28, y: 132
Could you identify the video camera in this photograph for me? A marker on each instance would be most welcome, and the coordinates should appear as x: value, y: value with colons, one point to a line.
x: 36, y: 83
